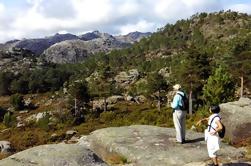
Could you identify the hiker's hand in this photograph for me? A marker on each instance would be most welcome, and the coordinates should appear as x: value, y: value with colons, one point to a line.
x: 198, y: 123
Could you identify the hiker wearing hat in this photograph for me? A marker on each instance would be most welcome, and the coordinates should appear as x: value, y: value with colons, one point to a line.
x: 179, y: 116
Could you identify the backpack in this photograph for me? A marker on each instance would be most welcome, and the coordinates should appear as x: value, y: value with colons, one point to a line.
x: 184, y: 102
x: 221, y: 133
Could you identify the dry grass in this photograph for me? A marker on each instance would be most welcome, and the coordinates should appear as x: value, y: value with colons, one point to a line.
x: 115, y: 159
x: 5, y: 101
x: 248, y: 155
x: 4, y: 155
x: 22, y: 139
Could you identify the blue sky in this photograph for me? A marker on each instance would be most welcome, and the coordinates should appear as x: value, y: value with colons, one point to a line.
x: 38, y: 18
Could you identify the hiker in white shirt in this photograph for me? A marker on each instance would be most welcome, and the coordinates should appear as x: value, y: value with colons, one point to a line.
x: 211, y: 133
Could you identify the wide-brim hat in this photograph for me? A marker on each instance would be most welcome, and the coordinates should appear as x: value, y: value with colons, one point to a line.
x: 176, y: 87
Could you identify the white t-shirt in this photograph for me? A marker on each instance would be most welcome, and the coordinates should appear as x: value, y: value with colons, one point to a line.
x: 213, y: 124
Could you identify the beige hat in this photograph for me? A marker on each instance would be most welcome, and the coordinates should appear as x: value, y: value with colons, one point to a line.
x: 176, y: 87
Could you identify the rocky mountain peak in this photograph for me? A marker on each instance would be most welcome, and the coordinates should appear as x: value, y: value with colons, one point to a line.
x: 40, y: 45
x: 132, y: 37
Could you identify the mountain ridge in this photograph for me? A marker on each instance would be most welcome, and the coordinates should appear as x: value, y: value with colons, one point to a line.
x: 39, y: 45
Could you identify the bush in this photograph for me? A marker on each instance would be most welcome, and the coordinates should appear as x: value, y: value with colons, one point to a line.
x: 220, y: 87
x: 9, y: 119
x: 44, y: 122
x: 5, y: 80
x: 107, y: 117
x: 17, y: 101
x: 2, y: 113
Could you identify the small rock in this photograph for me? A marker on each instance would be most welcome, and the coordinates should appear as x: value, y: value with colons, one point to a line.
x: 193, y: 128
x: 71, y: 132
x: 20, y: 124
x: 5, y: 146
x: 27, y: 102
x: 19, y: 118
x: 23, y: 112
x: 40, y: 115
x: 129, y: 98
x: 73, y: 140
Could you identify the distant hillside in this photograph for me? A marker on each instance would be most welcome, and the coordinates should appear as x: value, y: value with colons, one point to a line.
x: 73, y: 51
x: 196, y: 46
x: 38, y: 46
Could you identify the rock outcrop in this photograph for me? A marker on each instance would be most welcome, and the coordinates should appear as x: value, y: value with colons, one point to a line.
x: 69, y: 48
x: 133, y: 37
x: 37, y: 46
x: 236, y: 116
x: 126, y: 78
x: 154, y: 146
x: 54, y: 155
x: 138, y: 145
x: 73, y: 51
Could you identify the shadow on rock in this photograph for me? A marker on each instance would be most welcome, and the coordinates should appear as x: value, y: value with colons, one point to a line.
x: 237, y: 164
x: 195, y: 140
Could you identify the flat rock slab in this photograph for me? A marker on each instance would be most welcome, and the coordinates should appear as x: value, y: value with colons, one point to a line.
x: 54, y: 155
x: 143, y: 145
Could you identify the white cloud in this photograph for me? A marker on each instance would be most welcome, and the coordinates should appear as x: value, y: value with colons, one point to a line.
x: 92, y: 11
x: 172, y: 10
x: 244, y: 8
x: 38, y: 18
x: 1, y: 9
x: 2, y: 18
x: 128, y: 7
x: 142, y: 26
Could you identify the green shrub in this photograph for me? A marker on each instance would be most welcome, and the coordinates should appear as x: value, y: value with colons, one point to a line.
x: 108, y: 116
x: 17, y: 101
x: 44, y: 122
x: 9, y: 119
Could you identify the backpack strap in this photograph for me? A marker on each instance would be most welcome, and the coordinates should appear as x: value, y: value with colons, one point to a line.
x: 181, y: 95
x: 181, y: 98
x: 210, y: 126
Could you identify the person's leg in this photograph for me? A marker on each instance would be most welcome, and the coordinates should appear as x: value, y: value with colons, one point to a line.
x: 177, y: 125
x: 212, y: 148
x: 183, y: 126
x: 215, y: 161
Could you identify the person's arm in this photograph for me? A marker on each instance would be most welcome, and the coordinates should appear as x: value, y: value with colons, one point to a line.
x: 218, y: 128
x: 175, y: 102
x: 202, y: 120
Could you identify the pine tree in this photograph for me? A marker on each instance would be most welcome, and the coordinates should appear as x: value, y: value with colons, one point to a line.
x: 220, y: 87
x: 156, y: 83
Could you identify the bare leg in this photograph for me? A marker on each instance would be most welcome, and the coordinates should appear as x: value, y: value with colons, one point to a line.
x: 215, y: 160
